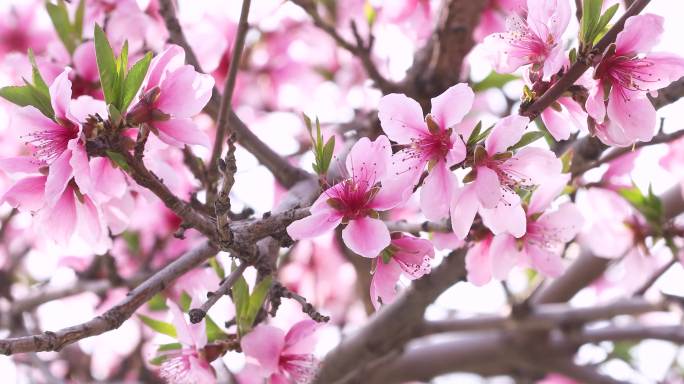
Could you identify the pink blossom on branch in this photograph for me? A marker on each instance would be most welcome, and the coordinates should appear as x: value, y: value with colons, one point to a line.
x: 497, y: 174
x: 356, y: 201
x: 535, y: 40
x: 627, y: 73
x: 408, y: 256
x: 171, y: 95
x: 430, y: 141
x: 278, y: 357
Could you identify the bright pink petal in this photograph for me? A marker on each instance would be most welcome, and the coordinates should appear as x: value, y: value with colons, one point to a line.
x: 478, y: 263
x: 596, y: 104
x: 80, y: 165
x: 383, y: 284
x: 506, y: 132
x: 26, y: 194
x: 435, y: 195
x: 60, y: 94
x: 178, y: 132
x: 641, y: 33
x: 659, y: 71
x: 634, y: 113
x: 184, y: 92
x: 265, y: 344
x: 316, y: 224
x: 85, y: 61
x: 20, y: 164
x: 505, y: 255
x: 59, y: 221
x: 366, y: 236
x: 401, y: 118
x: 487, y: 187
x: 546, y: 193
x: 548, y: 263
x: 58, y: 177
x: 464, y: 206
x: 170, y: 59
x: 413, y: 256
x: 299, y: 339
x: 556, y: 123
x: 449, y: 108
x: 505, y: 219
x: 370, y: 160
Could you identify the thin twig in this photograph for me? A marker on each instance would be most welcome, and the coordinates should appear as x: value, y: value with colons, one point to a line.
x: 197, y: 314
x: 228, y: 89
x: 227, y: 169
x: 279, y: 291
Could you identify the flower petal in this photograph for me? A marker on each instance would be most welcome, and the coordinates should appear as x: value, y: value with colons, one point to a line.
x: 488, y: 187
x: 265, y: 344
x: 60, y: 94
x: 316, y: 224
x: 401, y: 118
x: 383, y: 284
x: 449, y: 108
x: 366, y: 236
x: 26, y: 194
x: 505, y: 255
x: 478, y: 262
x: 58, y: 177
x: 370, y: 160
x: 464, y: 206
x: 505, y: 219
x: 178, y: 132
x: 640, y: 34
x: 506, y: 132
x: 435, y: 195
x: 634, y: 113
x: 184, y: 92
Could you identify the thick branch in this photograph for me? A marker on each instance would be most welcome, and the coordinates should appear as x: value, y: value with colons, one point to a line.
x: 391, y: 327
x: 114, y: 317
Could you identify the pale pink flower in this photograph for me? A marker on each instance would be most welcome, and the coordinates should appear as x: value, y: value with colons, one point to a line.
x: 564, y: 117
x: 478, y: 262
x: 547, y: 233
x: 430, y: 141
x: 21, y: 29
x: 535, y: 40
x: 498, y: 173
x: 625, y: 115
x: 281, y: 358
x: 355, y: 201
x: 493, y: 17
x: 187, y: 365
x: 171, y: 95
x: 408, y: 256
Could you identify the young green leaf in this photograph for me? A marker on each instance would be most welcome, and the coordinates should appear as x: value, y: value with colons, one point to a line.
x: 118, y: 159
x: 494, y: 80
x: 157, y: 303
x: 185, y: 301
x: 214, y: 332
x: 77, y: 27
x: 241, y: 299
x: 216, y: 266
x: 60, y: 19
x: 605, y: 19
x: 134, y: 80
x: 475, y: 133
x: 159, y: 326
x: 591, y: 12
x: 36, y: 77
x: 106, y: 65
x: 169, y: 347
x: 527, y: 138
x: 19, y: 95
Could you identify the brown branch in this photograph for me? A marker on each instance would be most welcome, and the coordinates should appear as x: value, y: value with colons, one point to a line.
x: 655, y: 276
x: 227, y: 169
x: 114, y: 317
x: 228, y: 89
x: 588, y: 267
x: 279, y: 291
x: 425, y: 226
x: 616, y: 153
x: 284, y: 172
x: 391, y: 327
x: 360, y: 49
x: 580, y: 66
x: 197, y: 314
x: 673, y: 333
x: 545, y: 317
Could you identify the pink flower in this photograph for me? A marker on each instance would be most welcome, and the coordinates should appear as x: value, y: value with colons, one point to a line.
x: 355, y: 201
x: 628, y: 77
x: 542, y: 245
x: 188, y: 365
x: 492, y: 19
x: 431, y: 141
x: 498, y: 174
x: 536, y: 40
x: 406, y: 255
x: 171, y: 95
x: 281, y: 358
x: 479, y: 263
x: 564, y: 117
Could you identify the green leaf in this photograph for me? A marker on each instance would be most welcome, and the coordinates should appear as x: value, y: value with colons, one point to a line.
x: 494, y: 80
x: 328, y: 150
x: 169, y: 347
x: 216, y: 266
x: 185, y: 301
x: 214, y: 332
x: 77, y: 27
x: 118, y: 159
x: 28, y: 95
x: 106, y: 65
x: 605, y: 19
x: 36, y: 77
x: 475, y: 133
x: 648, y: 205
x: 527, y: 138
x: 60, y: 19
x: 134, y: 80
x: 159, y: 360
x: 566, y: 160
x: 132, y: 240
x: 159, y: 326
x: 241, y: 299
x: 256, y: 300
x: 157, y: 303
x: 591, y: 12
x: 121, y: 67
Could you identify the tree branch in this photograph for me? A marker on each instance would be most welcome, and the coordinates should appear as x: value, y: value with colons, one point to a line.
x: 197, y: 314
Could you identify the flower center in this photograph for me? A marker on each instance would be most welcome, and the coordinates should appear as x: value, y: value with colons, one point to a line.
x: 301, y: 367
x: 352, y: 196
x: 50, y: 143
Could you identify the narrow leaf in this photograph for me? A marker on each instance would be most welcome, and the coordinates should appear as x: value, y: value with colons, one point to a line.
x: 159, y: 326
x: 60, y: 20
x: 494, y: 80
x: 527, y: 138
x: 106, y: 65
x: 77, y: 27
x: 214, y: 332
x: 134, y: 80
